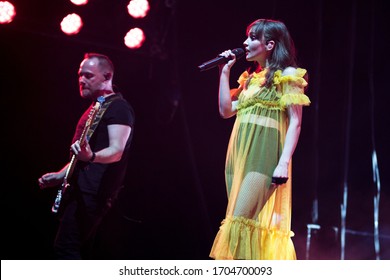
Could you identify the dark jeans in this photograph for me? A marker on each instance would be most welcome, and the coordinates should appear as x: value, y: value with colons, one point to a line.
x: 78, y: 223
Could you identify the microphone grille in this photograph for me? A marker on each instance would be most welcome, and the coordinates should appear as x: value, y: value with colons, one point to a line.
x: 239, y: 52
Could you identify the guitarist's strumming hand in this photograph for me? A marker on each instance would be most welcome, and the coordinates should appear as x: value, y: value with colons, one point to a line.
x: 51, y: 179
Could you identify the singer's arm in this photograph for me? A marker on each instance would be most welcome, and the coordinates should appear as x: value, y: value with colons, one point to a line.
x: 226, y: 108
x: 292, y: 136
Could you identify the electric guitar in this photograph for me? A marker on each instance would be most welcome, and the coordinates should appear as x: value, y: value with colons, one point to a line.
x: 65, y: 184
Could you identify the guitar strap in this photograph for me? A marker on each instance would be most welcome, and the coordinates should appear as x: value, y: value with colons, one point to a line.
x: 100, y: 113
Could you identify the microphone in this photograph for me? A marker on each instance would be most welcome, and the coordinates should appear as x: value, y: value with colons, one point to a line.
x: 220, y: 59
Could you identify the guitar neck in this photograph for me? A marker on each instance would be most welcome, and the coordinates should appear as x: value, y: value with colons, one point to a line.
x: 69, y: 170
x: 72, y: 163
x: 73, y: 160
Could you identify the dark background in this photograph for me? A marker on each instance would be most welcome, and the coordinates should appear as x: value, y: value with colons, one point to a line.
x: 174, y: 197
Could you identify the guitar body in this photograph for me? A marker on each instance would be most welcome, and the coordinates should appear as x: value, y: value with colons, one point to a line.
x: 60, y: 193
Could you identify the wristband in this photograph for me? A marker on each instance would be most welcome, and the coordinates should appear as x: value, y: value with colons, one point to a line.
x: 93, y: 157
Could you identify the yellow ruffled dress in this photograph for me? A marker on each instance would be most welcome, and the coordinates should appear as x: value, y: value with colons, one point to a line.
x: 258, y: 218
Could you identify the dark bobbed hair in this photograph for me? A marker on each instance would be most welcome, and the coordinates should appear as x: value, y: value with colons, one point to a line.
x: 283, y: 54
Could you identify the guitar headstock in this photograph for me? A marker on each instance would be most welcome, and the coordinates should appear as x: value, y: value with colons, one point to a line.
x: 96, y: 107
x: 101, y: 99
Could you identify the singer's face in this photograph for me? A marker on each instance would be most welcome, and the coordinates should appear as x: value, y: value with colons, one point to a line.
x: 255, y: 49
x: 91, y: 78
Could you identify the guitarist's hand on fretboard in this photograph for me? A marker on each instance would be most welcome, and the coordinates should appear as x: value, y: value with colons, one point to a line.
x: 82, y: 152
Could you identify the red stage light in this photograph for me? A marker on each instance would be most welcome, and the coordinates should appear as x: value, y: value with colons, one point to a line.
x: 71, y: 24
x: 134, y: 38
x: 138, y: 8
x: 79, y: 2
x: 7, y: 12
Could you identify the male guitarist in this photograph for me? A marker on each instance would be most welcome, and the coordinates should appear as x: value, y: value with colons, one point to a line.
x: 99, y: 154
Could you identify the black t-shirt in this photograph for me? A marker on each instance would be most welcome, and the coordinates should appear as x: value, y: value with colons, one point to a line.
x: 99, y: 178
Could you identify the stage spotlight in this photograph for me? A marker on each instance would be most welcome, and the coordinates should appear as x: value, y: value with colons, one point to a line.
x: 134, y: 38
x: 79, y: 2
x: 138, y: 8
x: 7, y: 12
x: 71, y: 24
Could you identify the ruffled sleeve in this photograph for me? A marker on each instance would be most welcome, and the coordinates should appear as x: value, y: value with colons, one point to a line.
x: 234, y: 92
x: 243, y: 78
x: 292, y: 87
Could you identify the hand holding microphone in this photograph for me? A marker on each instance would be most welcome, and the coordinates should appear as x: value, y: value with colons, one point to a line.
x: 238, y: 52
